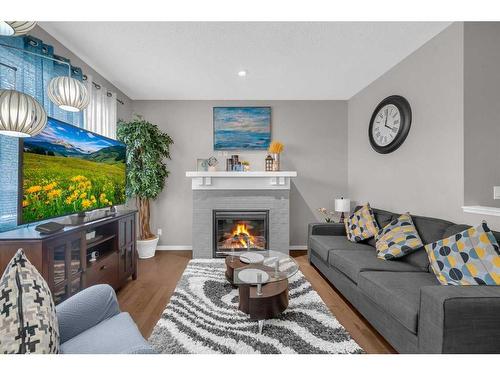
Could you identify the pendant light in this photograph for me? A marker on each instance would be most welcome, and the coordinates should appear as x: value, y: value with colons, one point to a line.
x: 20, y: 114
x: 68, y: 93
x: 15, y: 28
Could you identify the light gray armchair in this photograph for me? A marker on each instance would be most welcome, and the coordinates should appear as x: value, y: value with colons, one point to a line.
x: 91, y: 322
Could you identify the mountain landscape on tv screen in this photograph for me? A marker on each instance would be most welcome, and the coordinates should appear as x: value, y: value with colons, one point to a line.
x: 68, y: 169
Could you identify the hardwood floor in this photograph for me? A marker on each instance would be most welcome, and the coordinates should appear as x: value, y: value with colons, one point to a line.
x: 146, y: 298
x: 359, y: 328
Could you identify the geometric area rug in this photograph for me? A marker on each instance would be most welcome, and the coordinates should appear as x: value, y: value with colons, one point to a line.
x: 203, y: 317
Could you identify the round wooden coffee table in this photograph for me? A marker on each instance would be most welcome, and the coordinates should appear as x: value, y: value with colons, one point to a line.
x: 263, y: 298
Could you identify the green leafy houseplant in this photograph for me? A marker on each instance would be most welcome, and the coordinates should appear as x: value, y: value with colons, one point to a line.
x: 147, y: 149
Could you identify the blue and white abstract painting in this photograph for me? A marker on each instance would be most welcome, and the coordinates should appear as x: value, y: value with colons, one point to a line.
x: 242, y: 128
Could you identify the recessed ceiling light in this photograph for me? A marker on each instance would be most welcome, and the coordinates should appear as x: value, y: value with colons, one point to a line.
x: 242, y: 73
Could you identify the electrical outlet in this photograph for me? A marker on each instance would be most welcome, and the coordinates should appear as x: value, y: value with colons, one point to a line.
x: 159, y: 231
x: 496, y: 192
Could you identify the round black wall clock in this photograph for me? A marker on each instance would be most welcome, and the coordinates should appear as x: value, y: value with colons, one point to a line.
x: 390, y: 124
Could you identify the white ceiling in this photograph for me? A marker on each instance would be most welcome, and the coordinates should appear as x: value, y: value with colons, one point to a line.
x: 200, y: 60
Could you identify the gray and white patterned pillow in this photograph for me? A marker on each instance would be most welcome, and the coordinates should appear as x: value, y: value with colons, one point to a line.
x: 28, y: 321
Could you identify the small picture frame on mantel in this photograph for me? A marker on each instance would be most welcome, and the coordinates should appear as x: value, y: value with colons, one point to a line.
x: 202, y: 165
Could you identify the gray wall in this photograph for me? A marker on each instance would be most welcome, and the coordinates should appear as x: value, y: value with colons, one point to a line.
x: 426, y: 175
x: 124, y: 111
x: 315, y: 138
x: 481, y: 112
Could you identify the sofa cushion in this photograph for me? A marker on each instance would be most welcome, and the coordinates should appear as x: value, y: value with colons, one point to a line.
x: 116, y: 335
x: 418, y: 259
x: 398, y: 293
x: 352, y: 262
x: 28, y: 320
x: 322, y: 245
x: 430, y: 229
x: 398, y: 238
x: 470, y: 257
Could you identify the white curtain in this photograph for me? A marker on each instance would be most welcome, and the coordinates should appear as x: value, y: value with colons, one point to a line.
x: 100, y: 115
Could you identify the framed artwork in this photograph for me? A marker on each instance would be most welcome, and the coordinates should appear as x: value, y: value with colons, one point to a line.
x: 242, y: 128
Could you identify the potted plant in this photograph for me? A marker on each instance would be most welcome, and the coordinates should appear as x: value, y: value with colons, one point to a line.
x: 147, y: 149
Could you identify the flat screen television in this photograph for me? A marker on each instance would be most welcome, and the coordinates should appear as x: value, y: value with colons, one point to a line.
x: 67, y: 170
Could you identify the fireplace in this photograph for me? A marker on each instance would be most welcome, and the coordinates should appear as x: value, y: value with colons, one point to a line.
x: 240, y: 230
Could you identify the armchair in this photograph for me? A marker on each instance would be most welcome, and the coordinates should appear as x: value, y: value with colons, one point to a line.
x: 91, y: 322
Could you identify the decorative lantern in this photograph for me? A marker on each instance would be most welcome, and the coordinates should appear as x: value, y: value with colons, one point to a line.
x: 269, y: 163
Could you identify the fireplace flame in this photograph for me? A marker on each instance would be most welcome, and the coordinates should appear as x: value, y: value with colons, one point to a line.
x: 242, y: 234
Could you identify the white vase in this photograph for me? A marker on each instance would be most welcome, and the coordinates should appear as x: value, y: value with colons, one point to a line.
x: 147, y: 248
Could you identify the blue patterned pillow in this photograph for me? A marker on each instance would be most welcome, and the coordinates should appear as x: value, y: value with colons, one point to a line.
x: 470, y: 257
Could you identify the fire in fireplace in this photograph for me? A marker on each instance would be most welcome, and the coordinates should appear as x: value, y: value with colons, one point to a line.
x: 240, y: 230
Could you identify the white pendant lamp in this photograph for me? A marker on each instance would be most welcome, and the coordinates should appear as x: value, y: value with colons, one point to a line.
x: 20, y: 114
x: 68, y: 94
x: 15, y: 28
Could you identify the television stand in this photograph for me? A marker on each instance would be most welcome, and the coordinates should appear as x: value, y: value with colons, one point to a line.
x: 85, y: 217
x: 64, y: 258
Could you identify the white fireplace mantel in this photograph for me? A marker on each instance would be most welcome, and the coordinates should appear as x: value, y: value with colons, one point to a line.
x: 255, y: 180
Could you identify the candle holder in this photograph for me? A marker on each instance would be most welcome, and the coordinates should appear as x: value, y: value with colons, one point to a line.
x: 259, y: 284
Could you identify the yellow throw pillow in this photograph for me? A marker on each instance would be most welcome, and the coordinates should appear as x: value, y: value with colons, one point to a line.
x: 361, y: 225
x: 398, y: 238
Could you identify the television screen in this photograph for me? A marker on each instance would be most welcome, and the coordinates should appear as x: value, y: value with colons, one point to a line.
x: 66, y: 169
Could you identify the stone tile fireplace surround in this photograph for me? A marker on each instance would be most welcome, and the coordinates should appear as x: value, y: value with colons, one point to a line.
x: 240, y: 191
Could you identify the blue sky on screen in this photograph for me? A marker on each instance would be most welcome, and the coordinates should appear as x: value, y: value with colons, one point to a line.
x: 60, y: 132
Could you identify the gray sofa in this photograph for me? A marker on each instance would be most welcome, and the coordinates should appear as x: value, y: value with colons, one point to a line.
x: 402, y: 298
x: 91, y: 322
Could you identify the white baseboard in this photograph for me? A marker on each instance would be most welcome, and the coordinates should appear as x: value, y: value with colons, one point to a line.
x: 298, y: 247
x: 174, y: 247
x: 189, y: 247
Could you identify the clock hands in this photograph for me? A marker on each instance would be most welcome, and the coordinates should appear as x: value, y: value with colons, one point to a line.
x: 386, y: 116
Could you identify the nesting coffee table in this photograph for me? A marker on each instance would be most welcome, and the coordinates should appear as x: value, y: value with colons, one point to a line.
x: 262, y: 280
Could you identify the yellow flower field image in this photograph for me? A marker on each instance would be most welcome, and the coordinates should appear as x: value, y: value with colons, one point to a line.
x: 67, y: 170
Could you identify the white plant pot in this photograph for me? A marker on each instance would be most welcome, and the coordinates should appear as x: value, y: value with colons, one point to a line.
x: 147, y: 248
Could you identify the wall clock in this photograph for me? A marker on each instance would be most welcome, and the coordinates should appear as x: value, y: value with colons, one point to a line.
x: 390, y: 124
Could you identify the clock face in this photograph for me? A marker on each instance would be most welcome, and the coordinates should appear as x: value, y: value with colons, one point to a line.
x: 386, y: 125
x: 389, y: 124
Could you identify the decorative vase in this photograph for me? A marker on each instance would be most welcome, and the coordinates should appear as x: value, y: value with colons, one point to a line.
x: 147, y: 248
x: 276, y: 162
